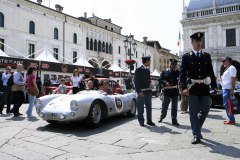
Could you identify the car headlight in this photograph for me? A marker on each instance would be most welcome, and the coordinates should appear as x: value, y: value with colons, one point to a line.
x: 62, y: 116
x: 41, y: 114
x: 74, y: 105
x: 38, y: 103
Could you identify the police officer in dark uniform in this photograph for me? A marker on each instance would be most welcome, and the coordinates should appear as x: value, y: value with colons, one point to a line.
x: 196, y: 74
x: 142, y: 83
x: 169, y: 80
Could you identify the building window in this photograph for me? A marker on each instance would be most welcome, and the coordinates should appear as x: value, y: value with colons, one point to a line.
x: 55, y: 33
x: 110, y: 48
x: 230, y: 37
x: 103, y: 47
x: 87, y: 43
x: 111, y: 29
x: 91, y: 44
x: 119, y: 62
x: 99, y: 46
x: 55, y: 53
x: 31, y: 27
x: 203, y: 41
x: 2, y: 44
x: 136, y: 54
x: 1, y: 20
x: 119, y: 50
x: 75, y: 38
x: 74, y: 56
x: 107, y: 48
x: 106, y: 27
x: 95, y: 45
x: 136, y: 65
x: 31, y: 50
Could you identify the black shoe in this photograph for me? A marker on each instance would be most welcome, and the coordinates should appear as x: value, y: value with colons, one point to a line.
x: 175, y: 124
x: 20, y: 114
x: 141, y: 124
x: 1, y: 113
x: 11, y: 111
x: 16, y: 114
x: 201, y: 137
x: 196, y: 140
x: 151, y: 123
x: 160, y: 120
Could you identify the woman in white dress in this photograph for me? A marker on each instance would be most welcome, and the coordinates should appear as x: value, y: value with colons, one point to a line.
x: 75, y: 80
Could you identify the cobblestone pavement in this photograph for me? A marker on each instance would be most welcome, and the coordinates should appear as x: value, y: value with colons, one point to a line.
x: 118, y: 138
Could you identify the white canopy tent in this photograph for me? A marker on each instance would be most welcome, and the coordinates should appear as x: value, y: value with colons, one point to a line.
x: 115, y: 68
x: 82, y: 61
x: 46, y: 55
x: 155, y: 73
x: 3, y: 54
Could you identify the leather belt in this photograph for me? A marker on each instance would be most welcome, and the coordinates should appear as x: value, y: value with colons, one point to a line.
x: 199, y: 81
x: 145, y: 89
x: 170, y: 87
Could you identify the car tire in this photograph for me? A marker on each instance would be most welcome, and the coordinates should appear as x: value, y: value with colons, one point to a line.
x: 95, y: 115
x: 157, y: 94
x: 211, y: 102
x: 133, y: 109
x: 52, y: 122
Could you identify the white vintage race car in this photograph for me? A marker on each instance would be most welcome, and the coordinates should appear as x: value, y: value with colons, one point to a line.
x: 92, y: 106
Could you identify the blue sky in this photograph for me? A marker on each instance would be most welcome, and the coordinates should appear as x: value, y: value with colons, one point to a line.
x: 157, y: 19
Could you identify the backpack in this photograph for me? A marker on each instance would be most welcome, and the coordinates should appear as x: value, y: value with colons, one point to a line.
x: 10, y: 81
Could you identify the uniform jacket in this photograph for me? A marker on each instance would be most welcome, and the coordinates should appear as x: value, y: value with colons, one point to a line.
x: 194, y: 67
x: 171, y: 77
x: 142, y: 78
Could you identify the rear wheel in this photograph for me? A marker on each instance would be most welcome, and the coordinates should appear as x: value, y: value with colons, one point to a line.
x: 157, y: 94
x: 95, y: 115
x: 132, y: 110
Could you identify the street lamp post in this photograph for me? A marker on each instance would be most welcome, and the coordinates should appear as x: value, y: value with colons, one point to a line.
x: 132, y: 44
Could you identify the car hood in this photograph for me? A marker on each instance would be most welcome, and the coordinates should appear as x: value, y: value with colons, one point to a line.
x: 63, y: 102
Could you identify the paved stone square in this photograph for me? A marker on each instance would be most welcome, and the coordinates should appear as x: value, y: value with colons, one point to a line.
x: 118, y: 138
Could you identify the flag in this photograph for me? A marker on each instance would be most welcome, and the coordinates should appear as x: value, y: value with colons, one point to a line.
x: 179, y: 39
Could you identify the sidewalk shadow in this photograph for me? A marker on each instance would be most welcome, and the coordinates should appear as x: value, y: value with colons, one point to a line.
x: 6, y: 115
x: 212, y: 116
x: 161, y: 129
x: 223, y: 149
x: 16, y: 118
x: 216, y: 110
x: 80, y: 129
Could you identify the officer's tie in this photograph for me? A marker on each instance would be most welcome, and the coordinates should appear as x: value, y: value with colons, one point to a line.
x: 198, y: 54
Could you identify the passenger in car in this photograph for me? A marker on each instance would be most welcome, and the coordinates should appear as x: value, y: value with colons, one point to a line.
x: 104, y: 87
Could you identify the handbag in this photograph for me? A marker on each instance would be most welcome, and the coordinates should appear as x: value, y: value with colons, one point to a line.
x: 32, y: 91
x: 233, y: 106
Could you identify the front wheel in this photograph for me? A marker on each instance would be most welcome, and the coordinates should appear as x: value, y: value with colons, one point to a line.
x: 95, y: 115
x: 132, y: 110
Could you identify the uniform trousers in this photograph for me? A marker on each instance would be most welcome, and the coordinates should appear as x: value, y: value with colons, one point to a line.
x: 199, y: 107
x: 184, y: 103
x: 165, y: 104
x: 147, y: 100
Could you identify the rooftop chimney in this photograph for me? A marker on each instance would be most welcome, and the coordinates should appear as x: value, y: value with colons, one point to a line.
x: 39, y: 2
x: 59, y: 8
x: 85, y: 15
x: 145, y: 39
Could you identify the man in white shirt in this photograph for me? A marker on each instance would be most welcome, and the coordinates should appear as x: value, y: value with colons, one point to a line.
x: 228, y: 85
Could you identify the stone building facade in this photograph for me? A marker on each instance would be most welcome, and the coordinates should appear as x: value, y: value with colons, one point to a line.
x: 27, y: 27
